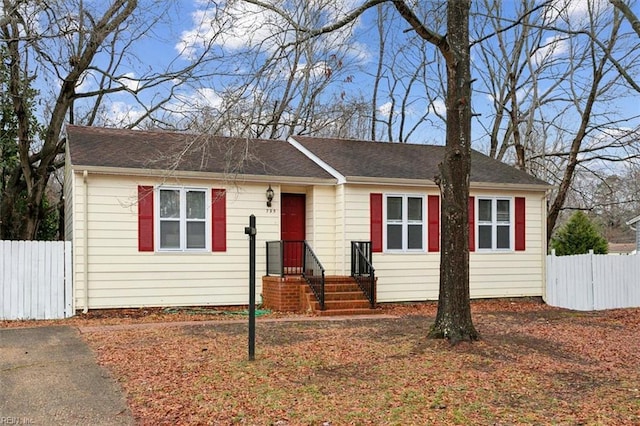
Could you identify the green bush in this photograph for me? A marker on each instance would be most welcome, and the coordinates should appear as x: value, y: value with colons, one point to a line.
x: 578, y: 236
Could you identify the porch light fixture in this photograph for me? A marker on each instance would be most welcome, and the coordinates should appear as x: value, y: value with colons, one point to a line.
x: 270, y: 195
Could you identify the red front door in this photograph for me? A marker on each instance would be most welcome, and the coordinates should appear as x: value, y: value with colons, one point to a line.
x: 292, y: 228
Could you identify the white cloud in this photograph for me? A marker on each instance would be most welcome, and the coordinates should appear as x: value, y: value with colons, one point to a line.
x: 385, y: 109
x: 129, y: 81
x: 88, y: 82
x: 551, y: 48
x: 574, y: 12
x: 237, y: 25
x: 121, y: 113
x: 234, y: 25
x: 439, y: 107
x: 195, y: 102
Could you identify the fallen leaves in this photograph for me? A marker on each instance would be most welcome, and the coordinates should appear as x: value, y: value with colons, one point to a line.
x: 534, y: 364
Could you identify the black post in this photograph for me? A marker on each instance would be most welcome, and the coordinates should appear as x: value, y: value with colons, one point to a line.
x: 251, y: 232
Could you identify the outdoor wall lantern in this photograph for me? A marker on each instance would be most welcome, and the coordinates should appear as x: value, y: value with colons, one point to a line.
x: 270, y: 194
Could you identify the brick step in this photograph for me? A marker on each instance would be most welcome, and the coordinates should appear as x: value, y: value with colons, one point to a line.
x: 339, y: 304
x: 337, y: 288
x: 342, y: 295
x: 347, y: 312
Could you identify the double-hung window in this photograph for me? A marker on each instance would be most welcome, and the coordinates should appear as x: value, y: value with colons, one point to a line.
x: 184, y: 219
x: 404, y: 223
x: 494, y: 223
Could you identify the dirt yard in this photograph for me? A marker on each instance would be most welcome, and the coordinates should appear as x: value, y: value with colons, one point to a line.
x: 533, y: 365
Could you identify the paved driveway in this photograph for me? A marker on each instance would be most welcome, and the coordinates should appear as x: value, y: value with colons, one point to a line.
x: 49, y: 376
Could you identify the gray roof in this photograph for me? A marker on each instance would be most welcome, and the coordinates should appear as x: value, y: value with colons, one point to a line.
x: 158, y: 150
x: 166, y: 150
x: 356, y: 158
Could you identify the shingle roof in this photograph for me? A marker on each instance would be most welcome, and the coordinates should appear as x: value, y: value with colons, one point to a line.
x: 158, y: 150
x: 354, y: 158
x: 166, y: 150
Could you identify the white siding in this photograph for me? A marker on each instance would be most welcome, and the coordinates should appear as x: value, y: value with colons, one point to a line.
x: 120, y: 276
x: 513, y: 273
x: 321, y: 224
x: 414, y: 277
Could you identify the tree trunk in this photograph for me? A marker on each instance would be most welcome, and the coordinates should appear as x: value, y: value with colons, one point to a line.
x: 453, y: 320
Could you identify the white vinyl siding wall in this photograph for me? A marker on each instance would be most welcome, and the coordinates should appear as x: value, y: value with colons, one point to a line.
x: 513, y: 273
x: 321, y: 224
x: 120, y: 276
x: 401, y: 276
x: 415, y: 276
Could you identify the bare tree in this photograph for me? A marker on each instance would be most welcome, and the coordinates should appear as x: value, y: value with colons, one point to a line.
x: 552, y: 71
x: 453, y: 320
x: 628, y: 13
x: 79, y: 55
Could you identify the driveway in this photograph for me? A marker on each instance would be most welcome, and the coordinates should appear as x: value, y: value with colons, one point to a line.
x: 48, y: 375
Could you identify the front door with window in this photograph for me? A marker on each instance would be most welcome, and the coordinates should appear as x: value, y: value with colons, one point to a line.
x: 292, y: 225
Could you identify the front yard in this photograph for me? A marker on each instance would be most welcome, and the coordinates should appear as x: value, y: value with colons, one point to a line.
x: 534, y: 365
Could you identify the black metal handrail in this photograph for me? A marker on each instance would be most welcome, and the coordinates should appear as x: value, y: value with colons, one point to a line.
x: 297, y: 258
x: 313, y: 273
x: 362, y: 269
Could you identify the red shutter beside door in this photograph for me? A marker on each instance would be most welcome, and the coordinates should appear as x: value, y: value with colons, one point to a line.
x: 375, y: 207
x: 433, y: 218
x: 145, y: 218
x: 218, y: 220
x: 520, y: 224
x: 472, y: 224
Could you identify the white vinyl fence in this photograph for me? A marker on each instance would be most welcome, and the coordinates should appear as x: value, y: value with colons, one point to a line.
x: 35, y: 280
x: 589, y: 282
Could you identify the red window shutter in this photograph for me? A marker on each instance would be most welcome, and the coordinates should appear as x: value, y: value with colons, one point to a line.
x: 218, y: 220
x: 472, y: 224
x: 520, y: 224
x: 433, y: 218
x: 145, y: 218
x: 375, y: 206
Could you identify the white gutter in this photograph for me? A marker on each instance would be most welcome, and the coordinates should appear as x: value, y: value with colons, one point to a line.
x: 120, y: 171
x: 327, y: 168
x: 85, y: 255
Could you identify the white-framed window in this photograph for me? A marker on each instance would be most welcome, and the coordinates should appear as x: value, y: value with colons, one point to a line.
x: 404, y: 221
x: 183, y: 219
x: 495, y: 223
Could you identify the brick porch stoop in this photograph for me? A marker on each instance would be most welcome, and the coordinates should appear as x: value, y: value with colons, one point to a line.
x: 292, y: 294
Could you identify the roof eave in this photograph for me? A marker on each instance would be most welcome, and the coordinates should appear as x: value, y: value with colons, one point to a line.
x: 185, y: 174
x: 367, y: 180
x: 634, y: 220
x: 515, y: 186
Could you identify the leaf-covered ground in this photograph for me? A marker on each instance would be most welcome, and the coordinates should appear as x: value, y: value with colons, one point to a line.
x: 534, y: 365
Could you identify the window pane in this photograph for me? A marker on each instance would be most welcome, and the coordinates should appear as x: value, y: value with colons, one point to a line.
x: 415, y: 237
x: 415, y: 208
x: 195, y: 235
x: 484, y: 210
x: 394, y: 237
x: 503, y: 211
x: 503, y: 237
x: 484, y: 237
x: 169, y: 203
x: 394, y: 208
x: 169, y: 234
x: 195, y: 205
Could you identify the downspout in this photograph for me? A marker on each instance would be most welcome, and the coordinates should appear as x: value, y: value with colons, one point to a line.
x: 344, y: 229
x: 85, y: 257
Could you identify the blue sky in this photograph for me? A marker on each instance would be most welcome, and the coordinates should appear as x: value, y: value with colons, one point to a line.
x: 189, y: 22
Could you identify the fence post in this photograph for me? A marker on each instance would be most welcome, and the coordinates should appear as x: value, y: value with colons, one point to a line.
x: 593, y: 296
x: 550, y: 288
